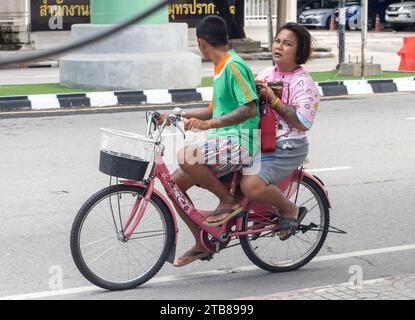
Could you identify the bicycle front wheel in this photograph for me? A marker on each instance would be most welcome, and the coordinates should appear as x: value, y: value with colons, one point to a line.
x: 268, y: 252
x: 98, y: 245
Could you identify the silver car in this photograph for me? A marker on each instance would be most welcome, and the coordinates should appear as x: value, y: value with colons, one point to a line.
x: 400, y: 15
x: 316, y: 16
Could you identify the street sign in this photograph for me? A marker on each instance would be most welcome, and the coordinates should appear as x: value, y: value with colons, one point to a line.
x: 51, y: 15
x: 192, y: 11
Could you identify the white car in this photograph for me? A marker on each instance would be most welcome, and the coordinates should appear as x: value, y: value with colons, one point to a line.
x: 401, y: 14
x: 315, y: 16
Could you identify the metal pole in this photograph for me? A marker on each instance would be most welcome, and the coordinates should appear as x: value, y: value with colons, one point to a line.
x: 282, y: 13
x: 270, y: 29
x: 364, y: 14
x: 342, y: 31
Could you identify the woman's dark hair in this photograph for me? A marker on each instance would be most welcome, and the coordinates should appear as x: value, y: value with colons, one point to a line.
x: 214, y: 30
x: 304, y: 41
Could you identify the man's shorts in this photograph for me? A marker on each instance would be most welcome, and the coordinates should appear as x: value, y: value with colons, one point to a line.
x: 272, y: 167
x: 224, y: 155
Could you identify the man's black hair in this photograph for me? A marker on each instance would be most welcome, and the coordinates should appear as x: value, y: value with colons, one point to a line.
x: 214, y: 30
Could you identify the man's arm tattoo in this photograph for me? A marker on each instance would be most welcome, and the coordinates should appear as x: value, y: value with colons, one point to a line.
x: 239, y: 115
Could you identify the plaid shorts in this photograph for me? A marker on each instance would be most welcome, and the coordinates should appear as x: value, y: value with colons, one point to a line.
x: 224, y: 155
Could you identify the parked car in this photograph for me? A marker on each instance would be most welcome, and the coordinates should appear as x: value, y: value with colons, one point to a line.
x: 353, y: 16
x: 314, y: 15
x: 400, y: 15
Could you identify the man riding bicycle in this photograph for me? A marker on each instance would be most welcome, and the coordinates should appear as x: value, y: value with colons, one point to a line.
x: 232, y: 119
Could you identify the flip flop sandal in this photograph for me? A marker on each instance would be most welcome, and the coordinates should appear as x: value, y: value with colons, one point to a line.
x: 232, y: 213
x: 291, y: 224
x: 194, y: 255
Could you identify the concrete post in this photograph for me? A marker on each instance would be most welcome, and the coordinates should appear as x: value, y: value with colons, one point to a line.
x: 151, y: 55
x: 364, y: 14
x: 342, y: 32
x: 110, y: 11
x: 281, y: 13
x: 14, y: 33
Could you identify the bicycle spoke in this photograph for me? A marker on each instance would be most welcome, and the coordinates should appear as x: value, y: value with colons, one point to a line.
x: 155, y: 235
x: 267, y: 247
x: 100, y: 256
x: 97, y: 241
x: 113, y: 224
x: 125, y: 248
x: 106, y: 255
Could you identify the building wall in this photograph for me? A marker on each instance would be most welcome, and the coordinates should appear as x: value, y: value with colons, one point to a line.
x: 13, y: 12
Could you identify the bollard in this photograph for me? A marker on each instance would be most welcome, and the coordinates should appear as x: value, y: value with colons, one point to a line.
x: 332, y: 24
x: 407, y: 53
x: 377, y: 24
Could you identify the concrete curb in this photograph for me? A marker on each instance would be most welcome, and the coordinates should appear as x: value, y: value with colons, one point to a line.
x: 169, y: 96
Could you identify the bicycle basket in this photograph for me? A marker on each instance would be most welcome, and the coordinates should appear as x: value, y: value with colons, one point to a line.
x: 125, y: 154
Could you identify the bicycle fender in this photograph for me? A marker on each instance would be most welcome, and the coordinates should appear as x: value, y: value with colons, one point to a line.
x: 320, y: 184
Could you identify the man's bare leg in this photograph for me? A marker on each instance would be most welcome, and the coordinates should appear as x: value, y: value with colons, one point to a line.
x: 206, y: 178
x: 185, y: 182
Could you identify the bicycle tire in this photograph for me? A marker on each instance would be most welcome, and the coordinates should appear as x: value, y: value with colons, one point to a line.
x: 83, y: 215
x: 251, y: 254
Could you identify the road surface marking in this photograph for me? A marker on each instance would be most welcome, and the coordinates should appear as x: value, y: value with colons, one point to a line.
x: 409, y: 118
x: 63, y: 292
x: 328, y: 169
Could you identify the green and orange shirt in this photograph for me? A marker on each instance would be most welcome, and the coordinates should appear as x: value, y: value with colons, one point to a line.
x: 234, y: 86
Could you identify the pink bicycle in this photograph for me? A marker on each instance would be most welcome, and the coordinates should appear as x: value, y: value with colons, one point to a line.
x: 123, y: 234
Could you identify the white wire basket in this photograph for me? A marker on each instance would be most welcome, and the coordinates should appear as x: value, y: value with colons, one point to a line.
x: 125, y: 154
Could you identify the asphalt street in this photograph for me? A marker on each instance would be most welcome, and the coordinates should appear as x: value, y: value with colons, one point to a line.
x: 361, y: 147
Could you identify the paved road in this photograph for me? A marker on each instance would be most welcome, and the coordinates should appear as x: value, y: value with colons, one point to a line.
x: 48, y: 168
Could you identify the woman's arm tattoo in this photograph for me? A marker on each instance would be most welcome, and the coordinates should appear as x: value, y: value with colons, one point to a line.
x: 289, y: 114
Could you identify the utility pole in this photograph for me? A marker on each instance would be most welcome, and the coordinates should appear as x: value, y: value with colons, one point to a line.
x: 364, y: 14
x: 270, y: 29
x: 281, y: 13
x: 341, y: 31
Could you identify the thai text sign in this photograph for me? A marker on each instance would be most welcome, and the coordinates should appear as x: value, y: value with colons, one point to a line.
x: 191, y: 11
x: 49, y: 15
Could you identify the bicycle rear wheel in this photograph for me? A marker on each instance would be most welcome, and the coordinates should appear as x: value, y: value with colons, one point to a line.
x: 98, y: 244
x: 268, y: 252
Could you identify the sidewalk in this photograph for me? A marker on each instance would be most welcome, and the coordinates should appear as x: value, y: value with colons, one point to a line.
x: 390, y: 288
x: 383, y: 46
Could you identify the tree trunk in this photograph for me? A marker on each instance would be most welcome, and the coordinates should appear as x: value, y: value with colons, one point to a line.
x: 235, y: 23
x: 240, y: 18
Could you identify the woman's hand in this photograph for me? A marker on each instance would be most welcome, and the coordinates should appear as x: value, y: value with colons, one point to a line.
x: 266, y: 92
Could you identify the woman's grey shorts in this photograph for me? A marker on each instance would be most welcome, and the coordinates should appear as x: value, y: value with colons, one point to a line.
x: 273, y: 167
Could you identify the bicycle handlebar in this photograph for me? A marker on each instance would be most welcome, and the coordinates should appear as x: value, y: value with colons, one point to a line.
x: 174, y: 118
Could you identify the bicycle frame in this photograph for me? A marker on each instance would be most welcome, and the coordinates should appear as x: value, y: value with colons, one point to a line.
x: 161, y: 172
x: 223, y: 232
